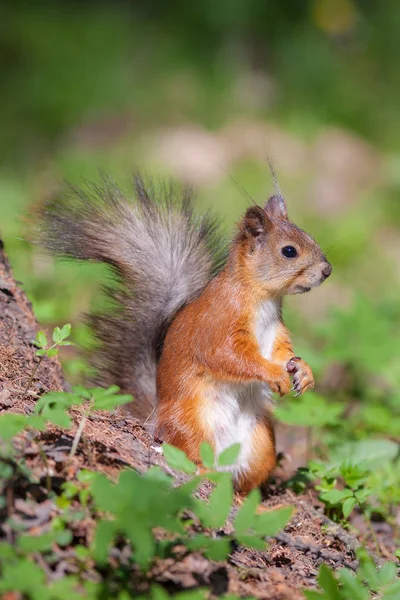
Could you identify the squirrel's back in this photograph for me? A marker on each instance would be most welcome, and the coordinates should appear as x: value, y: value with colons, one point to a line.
x: 163, y: 255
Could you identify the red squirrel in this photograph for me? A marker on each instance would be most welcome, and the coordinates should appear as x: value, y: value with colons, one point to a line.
x: 197, y: 330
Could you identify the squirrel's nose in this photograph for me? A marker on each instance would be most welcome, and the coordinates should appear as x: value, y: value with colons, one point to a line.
x: 327, y: 270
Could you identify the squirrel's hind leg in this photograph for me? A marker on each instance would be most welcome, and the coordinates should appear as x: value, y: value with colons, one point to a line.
x: 262, y: 460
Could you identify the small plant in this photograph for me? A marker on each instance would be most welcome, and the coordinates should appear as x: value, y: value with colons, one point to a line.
x: 146, y: 513
x: 59, y: 337
x: 311, y: 411
x: 369, y: 583
x: 341, y: 499
x: 346, y: 483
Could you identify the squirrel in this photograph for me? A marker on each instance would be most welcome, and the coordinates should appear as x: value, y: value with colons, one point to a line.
x: 197, y: 332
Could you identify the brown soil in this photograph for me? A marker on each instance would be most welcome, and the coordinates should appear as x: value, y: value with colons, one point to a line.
x: 112, y: 441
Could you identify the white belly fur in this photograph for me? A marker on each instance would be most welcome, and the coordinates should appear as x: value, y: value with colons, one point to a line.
x: 233, y: 413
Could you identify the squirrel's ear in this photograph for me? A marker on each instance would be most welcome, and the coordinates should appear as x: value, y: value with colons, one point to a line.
x: 276, y: 208
x: 255, y: 223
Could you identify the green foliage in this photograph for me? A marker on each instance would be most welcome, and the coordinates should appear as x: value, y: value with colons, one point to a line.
x: 364, y: 327
x: 59, y: 339
x: 53, y: 406
x: 369, y: 583
x: 310, y: 410
x: 354, y: 493
x: 207, y: 455
x: 177, y: 459
x: 348, y: 482
x: 11, y: 425
x: 371, y: 453
x: 229, y: 456
x: 149, y: 513
x: 354, y: 431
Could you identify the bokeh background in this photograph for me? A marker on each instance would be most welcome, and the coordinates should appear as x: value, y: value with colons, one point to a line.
x: 202, y: 92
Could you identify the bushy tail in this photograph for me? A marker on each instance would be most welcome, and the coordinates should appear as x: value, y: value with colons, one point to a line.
x: 164, y: 256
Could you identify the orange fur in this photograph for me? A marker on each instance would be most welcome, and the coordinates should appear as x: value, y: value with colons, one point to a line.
x: 212, y: 343
x: 263, y: 459
x: 227, y: 351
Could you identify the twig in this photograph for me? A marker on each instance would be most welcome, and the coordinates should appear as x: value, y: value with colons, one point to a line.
x: 46, y: 464
x: 371, y: 529
x: 32, y: 376
x: 78, y: 436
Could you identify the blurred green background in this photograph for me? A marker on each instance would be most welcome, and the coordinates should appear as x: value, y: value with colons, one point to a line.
x: 202, y: 92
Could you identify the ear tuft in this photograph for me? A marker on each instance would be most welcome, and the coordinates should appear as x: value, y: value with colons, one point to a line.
x: 255, y: 222
x: 276, y: 208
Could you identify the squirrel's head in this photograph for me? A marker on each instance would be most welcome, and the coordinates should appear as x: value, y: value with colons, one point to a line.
x: 282, y: 257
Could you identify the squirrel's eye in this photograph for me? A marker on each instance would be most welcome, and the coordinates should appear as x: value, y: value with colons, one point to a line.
x: 289, y: 252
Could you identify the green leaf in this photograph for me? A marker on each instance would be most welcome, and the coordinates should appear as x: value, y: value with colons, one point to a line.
x: 388, y: 573
x: 368, y: 571
x: 143, y: 542
x: 220, y: 502
x: 177, y: 459
x: 41, y: 339
x: 190, y: 486
x: 207, y: 455
x: 246, y: 515
x: 108, y: 399
x: 310, y: 410
x: 56, y: 335
x: 327, y: 581
x: 352, y: 587
x: 229, y: 456
x: 61, y: 334
x: 348, y: 506
x: 269, y: 523
x: 64, y: 537
x: 86, y: 476
x: 392, y: 592
x: 6, y: 471
x: 36, y: 422
x: 313, y: 595
x: 156, y: 473
x: 158, y: 593
x: 218, y: 549
x: 253, y: 541
x: 11, y: 425
x: 82, y: 552
x: 22, y: 576
x: 7, y: 552
x: 371, y: 452
x: 124, y: 595
x: 67, y: 587
x: 52, y: 352
x: 336, y: 496
x: 53, y: 405
x: 191, y: 595
x: 103, y: 538
x: 213, y: 548
x: 36, y: 543
x: 82, y: 392
x: 362, y: 495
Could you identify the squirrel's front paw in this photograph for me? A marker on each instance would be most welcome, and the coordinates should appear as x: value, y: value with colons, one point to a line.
x: 279, y: 380
x: 303, y: 379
